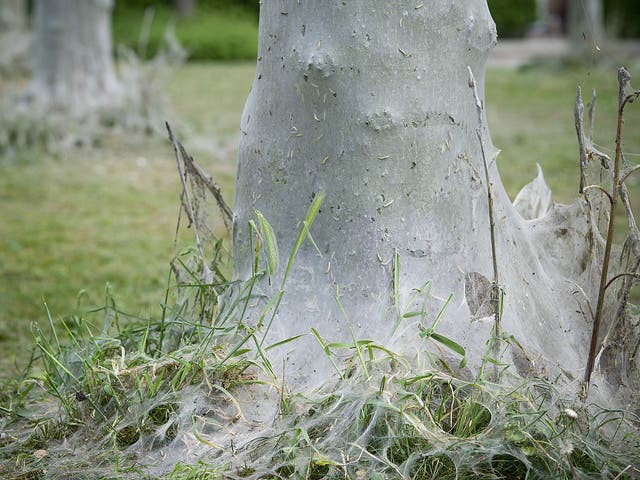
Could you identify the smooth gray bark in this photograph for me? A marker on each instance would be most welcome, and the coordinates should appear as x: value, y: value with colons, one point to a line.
x: 368, y: 101
x: 14, y: 36
x: 184, y: 8
x: 13, y: 14
x: 73, y: 69
x: 585, y: 25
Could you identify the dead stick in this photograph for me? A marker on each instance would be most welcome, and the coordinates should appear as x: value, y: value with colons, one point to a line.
x: 579, y: 111
x: 495, y: 291
x: 623, y: 80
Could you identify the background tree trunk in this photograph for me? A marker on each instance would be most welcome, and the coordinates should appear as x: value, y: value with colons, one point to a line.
x: 585, y: 25
x: 184, y: 8
x: 13, y: 14
x: 73, y: 68
x: 14, y: 36
x: 369, y: 103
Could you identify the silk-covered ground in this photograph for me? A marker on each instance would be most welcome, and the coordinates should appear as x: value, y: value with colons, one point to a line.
x: 77, y: 222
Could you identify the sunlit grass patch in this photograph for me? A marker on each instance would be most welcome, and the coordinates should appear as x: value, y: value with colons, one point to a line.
x: 212, y: 33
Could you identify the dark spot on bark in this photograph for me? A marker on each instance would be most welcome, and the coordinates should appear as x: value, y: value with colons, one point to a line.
x: 524, y: 366
x: 477, y: 291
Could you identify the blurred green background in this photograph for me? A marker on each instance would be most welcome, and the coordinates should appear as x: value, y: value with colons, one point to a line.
x: 228, y: 29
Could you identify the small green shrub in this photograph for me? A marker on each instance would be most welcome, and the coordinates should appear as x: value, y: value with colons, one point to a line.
x: 513, y: 18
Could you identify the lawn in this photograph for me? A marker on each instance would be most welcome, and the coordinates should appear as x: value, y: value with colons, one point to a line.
x: 107, y: 216
x: 222, y: 32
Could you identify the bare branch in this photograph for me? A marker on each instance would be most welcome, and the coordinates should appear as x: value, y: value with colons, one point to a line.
x: 591, y: 106
x: 628, y: 173
x: 177, y: 149
x: 495, y: 295
x: 579, y: 111
x: 623, y: 81
x: 601, y: 189
x: 622, y: 275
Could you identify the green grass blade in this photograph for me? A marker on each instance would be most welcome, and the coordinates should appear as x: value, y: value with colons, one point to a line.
x: 311, y: 215
x: 326, y: 350
x: 358, y: 347
x: 441, y: 312
x: 451, y: 345
x: 283, y: 342
x: 270, y: 244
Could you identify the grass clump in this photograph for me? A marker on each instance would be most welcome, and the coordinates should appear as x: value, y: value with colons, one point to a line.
x: 399, y: 433
x: 199, y: 471
x: 118, y: 393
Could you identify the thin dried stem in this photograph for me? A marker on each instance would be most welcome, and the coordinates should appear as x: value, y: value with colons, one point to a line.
x: 623, y: 81
x: 495, y: 291
x: 628, y: 173
x: 600, y: 189
x: 194, y: 170
x: 578, y: 114
x: 177, y: 150
x: 621, y: 275
x: 591, y: 107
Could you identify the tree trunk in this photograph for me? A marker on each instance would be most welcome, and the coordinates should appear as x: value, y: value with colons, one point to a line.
x: 13, y: 15
x: 73, y: 69
x: 14, y: 36
x: 368, y: 102
x: 585, y: 25
x: 184, y: 8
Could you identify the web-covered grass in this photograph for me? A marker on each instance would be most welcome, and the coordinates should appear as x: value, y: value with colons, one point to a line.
x: 172, y: 399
